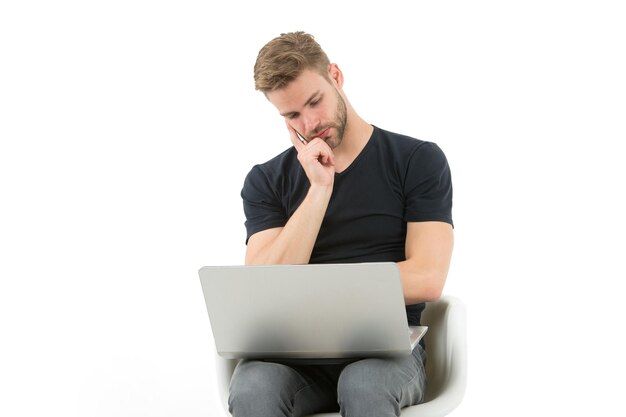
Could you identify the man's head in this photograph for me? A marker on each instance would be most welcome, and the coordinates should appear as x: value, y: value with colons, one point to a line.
x: 296, y: 76
x: 283, y: 58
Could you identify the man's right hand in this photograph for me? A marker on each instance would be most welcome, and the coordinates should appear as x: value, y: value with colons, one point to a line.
x: 317, y: 159
x: 294, y: 242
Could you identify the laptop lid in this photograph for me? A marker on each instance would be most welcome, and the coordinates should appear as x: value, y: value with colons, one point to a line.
x: 307, y: 311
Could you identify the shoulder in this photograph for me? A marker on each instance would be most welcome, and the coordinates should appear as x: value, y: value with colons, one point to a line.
x: 406, y: 149
x: 268, y: 175
x: 278, y: 165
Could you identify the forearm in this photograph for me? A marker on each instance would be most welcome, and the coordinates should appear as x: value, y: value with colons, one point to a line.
x: 294, y: 244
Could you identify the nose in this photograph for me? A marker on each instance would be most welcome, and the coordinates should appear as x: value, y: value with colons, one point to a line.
x: 311, y: 123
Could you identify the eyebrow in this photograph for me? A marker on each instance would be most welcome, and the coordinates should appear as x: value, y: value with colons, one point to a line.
x: 311, y: 98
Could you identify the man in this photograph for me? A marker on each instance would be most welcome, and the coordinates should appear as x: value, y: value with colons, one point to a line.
x: 346, y: 191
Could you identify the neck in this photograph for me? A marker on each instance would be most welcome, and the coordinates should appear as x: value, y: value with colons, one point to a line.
x: 356, y: 136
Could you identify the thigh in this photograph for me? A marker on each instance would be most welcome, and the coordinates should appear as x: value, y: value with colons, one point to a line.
x: 402, y: 380
x: 282, y: 389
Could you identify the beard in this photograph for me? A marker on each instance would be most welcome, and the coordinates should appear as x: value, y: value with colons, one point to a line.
x: 339, y: 123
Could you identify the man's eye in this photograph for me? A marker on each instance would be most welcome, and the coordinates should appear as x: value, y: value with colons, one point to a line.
x: 313, y: 103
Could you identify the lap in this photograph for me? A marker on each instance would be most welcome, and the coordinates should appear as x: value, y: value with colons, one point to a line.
x: 308, y: 389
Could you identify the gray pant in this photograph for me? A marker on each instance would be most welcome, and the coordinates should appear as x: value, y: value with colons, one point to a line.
x: 363, y: 388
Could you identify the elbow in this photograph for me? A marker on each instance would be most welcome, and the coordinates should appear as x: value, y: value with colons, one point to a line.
x: 259, y: 256
x: 264, y: 258
x: 424, y: 288
x: 431, y: 293
x: 251, y: 260
x: 432, y: 289
x: 258, y: 260
x: 423, y: 295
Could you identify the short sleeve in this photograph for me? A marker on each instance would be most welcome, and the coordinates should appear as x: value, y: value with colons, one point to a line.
x: 261, y: 206
x: 428, y: 186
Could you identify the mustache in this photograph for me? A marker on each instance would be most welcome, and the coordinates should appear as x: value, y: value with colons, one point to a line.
x: 319, y: 130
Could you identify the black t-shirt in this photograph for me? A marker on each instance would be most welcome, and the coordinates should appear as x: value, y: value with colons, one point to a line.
x: 394, y: 180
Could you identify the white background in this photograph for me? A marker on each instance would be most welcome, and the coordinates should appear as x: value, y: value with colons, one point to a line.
x: 127, y: 128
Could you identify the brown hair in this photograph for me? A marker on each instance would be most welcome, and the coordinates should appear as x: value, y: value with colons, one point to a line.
x: 283, y: 58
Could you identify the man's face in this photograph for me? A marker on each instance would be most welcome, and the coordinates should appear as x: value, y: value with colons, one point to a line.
x: 312, y: 106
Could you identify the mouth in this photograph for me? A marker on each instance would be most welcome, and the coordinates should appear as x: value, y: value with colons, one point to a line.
x: 324, y: 134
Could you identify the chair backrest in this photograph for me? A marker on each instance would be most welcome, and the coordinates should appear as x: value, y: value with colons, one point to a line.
x: 446, y: 366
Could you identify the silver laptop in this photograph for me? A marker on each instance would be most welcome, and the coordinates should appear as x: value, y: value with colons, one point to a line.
x: 308, y: 311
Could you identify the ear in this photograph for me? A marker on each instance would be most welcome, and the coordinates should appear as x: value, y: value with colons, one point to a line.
x: 335, y: 75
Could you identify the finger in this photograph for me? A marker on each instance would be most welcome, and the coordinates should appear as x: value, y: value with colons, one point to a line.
x: 294, y: 137
x: 327, y: 150
x: 324, y: 152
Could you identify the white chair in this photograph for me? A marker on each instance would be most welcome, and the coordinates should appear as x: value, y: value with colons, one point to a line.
x: 446, y: 367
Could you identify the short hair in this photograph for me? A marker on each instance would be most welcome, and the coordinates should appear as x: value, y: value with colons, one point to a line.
x: 283, y: 58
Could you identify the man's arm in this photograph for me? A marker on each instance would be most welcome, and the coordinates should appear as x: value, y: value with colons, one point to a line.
x: 293, y: 243
x: 428, y: 251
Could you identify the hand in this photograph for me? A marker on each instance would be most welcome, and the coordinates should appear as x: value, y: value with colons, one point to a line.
x: 317, y: 159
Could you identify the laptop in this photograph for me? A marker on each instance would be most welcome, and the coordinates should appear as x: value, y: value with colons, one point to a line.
x: 328, y: 311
